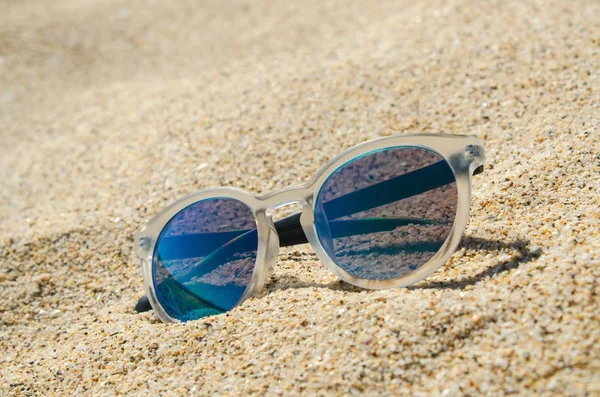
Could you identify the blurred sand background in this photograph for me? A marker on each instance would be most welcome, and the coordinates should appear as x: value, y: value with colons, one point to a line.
x: 109, y: 110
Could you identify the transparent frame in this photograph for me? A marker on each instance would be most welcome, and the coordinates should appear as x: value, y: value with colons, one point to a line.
x: 463, y: 153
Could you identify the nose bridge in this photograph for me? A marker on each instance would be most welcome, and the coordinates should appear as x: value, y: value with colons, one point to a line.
x: 289, y: 195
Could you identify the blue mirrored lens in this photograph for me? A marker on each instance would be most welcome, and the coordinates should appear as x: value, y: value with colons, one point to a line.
x: 385, y: 214
x: 204, y: 258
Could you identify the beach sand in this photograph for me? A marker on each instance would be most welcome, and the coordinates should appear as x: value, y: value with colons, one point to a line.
x: 110, y: 110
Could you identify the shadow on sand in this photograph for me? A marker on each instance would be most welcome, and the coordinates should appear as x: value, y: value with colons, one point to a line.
x: 524, y: 254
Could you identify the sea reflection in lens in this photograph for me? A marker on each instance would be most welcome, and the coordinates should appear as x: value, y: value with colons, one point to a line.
x: 204, y: 258
x: 387, y: 213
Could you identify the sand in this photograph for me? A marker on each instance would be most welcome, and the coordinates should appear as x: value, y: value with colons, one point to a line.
x: 110, y: 110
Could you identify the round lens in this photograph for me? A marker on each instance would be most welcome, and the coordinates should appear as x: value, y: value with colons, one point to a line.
x: 385, y: 214
x: 204, y: 258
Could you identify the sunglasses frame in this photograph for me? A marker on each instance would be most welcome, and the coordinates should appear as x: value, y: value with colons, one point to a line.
x: 463, y: 153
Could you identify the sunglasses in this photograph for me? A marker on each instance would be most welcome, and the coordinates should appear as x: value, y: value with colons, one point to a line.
x: 386, y: 213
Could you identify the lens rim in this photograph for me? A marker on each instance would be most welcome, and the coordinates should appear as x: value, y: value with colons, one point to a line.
x: 169, y: 222
x: 449, y: 150
x: 147, y: 239
x: 362, y: 155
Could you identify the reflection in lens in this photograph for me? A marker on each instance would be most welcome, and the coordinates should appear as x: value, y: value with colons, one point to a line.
x: 387, y: 213
x: 204, y: 258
